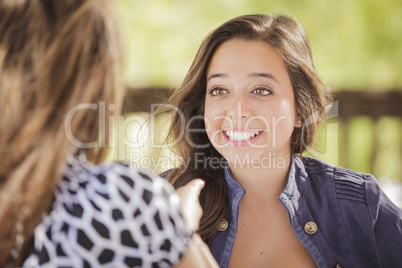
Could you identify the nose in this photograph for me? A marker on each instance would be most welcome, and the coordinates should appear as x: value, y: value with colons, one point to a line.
x: 238, y: 108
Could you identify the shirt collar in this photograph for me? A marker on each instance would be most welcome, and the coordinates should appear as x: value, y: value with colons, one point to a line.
x: 292, y: 189
x: 234, y: 188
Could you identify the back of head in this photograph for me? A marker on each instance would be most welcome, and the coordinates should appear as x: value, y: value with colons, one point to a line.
x: 54, y: 55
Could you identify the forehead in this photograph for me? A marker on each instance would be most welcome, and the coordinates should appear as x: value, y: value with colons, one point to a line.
x: 239, y: 55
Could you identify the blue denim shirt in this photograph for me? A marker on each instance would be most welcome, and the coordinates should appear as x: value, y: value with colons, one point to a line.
x: 357, y: 224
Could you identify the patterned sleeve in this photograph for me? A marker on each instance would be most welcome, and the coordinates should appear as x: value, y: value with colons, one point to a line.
x: 150, y: 209
x: 155, y: 225
x: 113, y: 216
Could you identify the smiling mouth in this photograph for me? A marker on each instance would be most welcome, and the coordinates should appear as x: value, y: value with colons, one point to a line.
x: 241, y: 135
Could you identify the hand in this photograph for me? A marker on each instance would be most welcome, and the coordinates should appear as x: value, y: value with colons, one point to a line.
x: 189, y: 203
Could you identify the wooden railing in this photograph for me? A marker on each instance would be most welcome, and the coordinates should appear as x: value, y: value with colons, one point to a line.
x: 350, y: 107
x: 374, y: 104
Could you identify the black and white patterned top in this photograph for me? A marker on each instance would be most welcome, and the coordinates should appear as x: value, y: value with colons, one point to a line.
x: 109, y: 215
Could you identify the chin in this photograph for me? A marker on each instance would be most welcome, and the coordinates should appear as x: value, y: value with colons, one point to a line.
x: 253, y: 159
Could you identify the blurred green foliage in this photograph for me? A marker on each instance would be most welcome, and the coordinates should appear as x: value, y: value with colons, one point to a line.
x: 356, y: 44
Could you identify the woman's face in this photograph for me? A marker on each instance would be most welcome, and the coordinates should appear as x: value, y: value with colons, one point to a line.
x: 249, y: 106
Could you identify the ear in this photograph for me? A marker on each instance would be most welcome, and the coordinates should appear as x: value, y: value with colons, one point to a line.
x: 299, y: 121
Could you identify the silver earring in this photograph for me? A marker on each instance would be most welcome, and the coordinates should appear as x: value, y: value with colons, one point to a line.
x: 298, y: 121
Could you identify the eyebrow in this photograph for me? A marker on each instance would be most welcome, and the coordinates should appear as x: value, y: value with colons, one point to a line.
x: 266, y: 75
x: 217, y: 75
x: 252, y: 75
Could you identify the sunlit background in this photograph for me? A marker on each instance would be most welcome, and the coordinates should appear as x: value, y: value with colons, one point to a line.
x: 357, y: 46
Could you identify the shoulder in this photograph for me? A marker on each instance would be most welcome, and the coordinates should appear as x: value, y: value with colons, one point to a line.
x: 349, y: 185
x: 114, y: 186
x: 315, y: 167
x: 131, y: 179
x: 112, y: 214
x: 346, y: 183
x: 348, y: 204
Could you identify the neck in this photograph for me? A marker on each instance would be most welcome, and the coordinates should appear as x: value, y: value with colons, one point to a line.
x: 264, y: 180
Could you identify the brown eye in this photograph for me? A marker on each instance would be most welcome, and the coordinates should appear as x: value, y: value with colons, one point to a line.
x: 262, y: 91
x: 218, y: 91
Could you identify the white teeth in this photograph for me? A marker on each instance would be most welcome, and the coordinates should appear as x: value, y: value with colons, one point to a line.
x: 241, y: 135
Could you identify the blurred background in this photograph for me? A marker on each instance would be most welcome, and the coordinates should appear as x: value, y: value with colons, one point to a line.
x: 357, y: 48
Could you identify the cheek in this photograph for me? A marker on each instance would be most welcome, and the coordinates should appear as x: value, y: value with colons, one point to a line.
x: 207, y: 124
x: 281, y: 118
x: 207, y: 120
x: 213, y: 122
x: 288, y: 110
x: 209, y: 114
x: 281, y: 110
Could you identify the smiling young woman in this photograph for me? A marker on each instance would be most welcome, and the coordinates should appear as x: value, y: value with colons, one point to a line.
x: 250, y: 107
x: 254, y: 84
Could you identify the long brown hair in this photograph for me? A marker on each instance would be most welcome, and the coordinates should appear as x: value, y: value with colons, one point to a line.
x: 54, y: 55
x: 288, y: 37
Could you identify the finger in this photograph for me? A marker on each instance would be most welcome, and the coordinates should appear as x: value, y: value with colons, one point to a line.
x: 197, y: 185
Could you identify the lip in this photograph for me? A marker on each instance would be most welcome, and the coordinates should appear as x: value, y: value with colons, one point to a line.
x: 241, y: 143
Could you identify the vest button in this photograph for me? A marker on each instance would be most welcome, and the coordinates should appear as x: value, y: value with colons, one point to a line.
x: 310, y: 227
x: 338, y: 266
x: 223, y: 225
